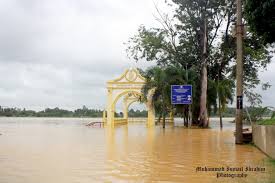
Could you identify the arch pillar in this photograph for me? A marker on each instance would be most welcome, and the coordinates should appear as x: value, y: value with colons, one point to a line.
x: 151, y: 117
x: 150, y: 108
x: 171, y: 115
x: 104, y: 117
x: 110, y: 109
x: 125, y: 108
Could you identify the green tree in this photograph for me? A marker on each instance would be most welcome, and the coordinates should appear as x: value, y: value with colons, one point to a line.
x: 160, y: 79
x: 157, y: 79
x: 195, y: 39
x: 201, y: 21
x: 260, y: 15
x: 225, y: 90
x: 183, y: 44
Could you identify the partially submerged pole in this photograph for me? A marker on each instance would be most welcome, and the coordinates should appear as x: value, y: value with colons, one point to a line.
x: 239, y: 75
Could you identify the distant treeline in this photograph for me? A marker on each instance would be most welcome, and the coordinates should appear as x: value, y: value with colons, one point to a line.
x: 57, y: 112
x: 231, y: 111
x: 86, y: 112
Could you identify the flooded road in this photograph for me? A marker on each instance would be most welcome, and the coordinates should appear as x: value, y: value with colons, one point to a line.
x: 40, y: 150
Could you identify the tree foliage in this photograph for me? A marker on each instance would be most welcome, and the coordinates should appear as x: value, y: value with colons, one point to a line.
x: 260, y: 15
x: 178, y: 44
x: 57, y: 112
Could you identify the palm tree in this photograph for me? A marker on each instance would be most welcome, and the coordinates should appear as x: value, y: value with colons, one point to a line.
x: 161, y: 80
x: 225, y: 89
x: 157, y: 79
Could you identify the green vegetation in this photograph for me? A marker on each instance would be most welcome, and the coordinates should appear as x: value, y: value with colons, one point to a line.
x: 269, y: 161
x: 137, y: 113
x: 266, y: 122
x: 56, y: 112
x: 272, y: 161
x: 160, y: 80
x: 260, y: 17
x: 192, y: 47
x: 256, y: 113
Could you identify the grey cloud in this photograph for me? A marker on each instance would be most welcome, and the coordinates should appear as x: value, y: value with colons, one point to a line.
x: 62, y: 52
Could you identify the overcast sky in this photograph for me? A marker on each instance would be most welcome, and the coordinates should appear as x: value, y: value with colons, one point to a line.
x: 60, y: 53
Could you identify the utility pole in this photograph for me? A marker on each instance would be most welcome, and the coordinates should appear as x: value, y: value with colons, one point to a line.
x: 239, y: 75
x: 203, y: 97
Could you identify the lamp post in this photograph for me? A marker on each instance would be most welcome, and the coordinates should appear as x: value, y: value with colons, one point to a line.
x: 239, y: 75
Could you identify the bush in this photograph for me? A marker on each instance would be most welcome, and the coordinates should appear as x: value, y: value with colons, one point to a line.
x: 267, y: 122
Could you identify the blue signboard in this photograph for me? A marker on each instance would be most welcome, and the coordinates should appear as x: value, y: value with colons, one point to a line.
x: 181, y: 94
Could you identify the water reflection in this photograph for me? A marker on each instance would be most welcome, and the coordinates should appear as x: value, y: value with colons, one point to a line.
x: 37, y: 150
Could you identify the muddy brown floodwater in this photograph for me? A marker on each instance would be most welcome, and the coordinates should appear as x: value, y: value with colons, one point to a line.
x: 41, y: 150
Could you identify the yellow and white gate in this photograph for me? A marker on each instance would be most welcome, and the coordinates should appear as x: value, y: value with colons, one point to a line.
x: 129, y: 86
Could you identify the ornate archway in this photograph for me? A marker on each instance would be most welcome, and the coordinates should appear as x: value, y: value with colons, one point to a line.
x: 129, y: 86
